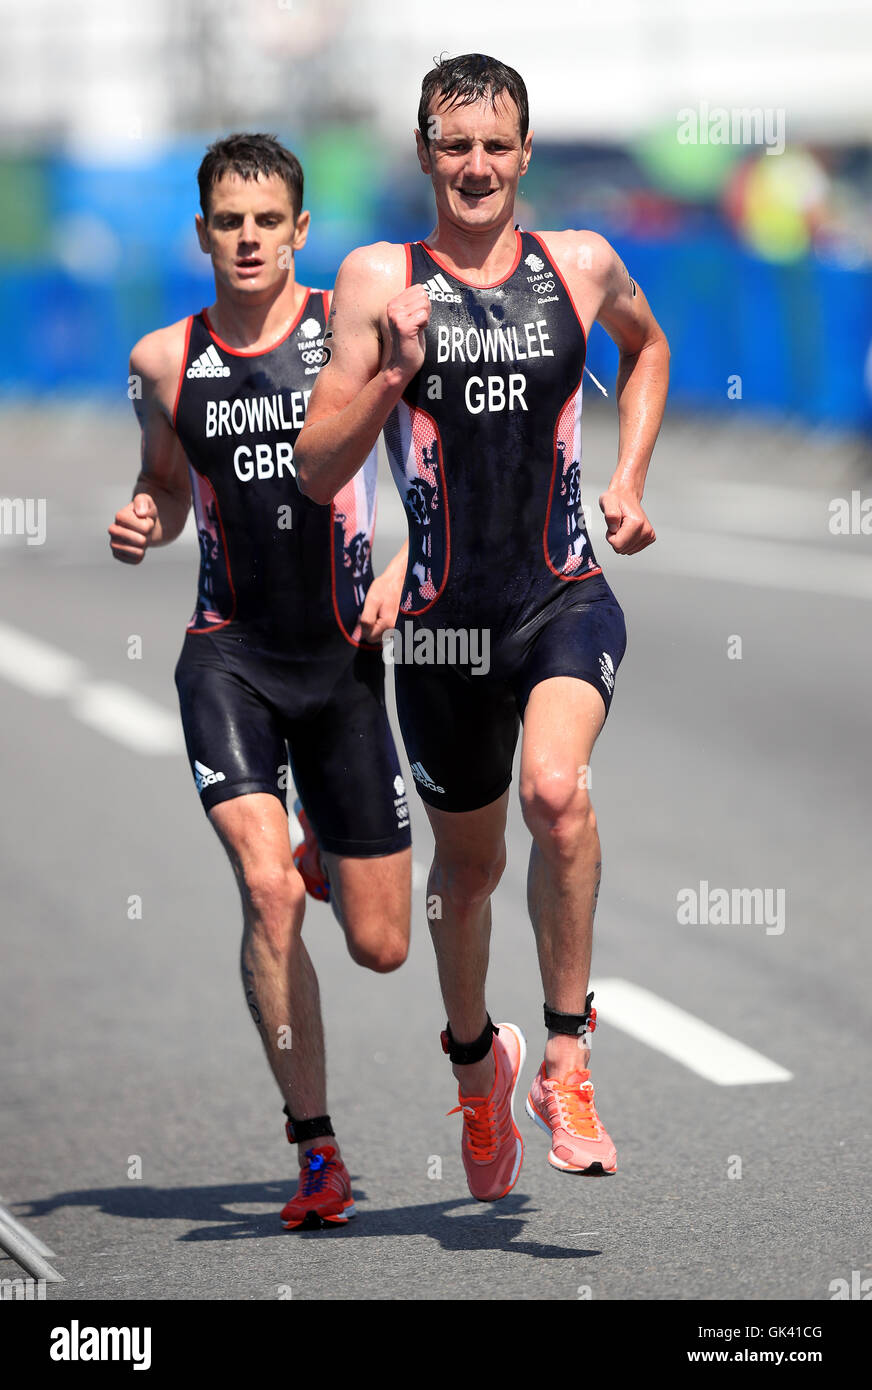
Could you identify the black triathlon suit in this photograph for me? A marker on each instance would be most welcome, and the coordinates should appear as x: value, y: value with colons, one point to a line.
x: 273, y: 677
x: 502, y: 589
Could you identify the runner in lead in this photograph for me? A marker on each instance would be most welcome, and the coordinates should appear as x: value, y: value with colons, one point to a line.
x: 281, y: 667
x: 468, y: 349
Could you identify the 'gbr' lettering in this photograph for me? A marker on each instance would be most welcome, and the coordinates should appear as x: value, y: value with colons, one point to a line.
x: 262, y: 465
x: 490, y: 393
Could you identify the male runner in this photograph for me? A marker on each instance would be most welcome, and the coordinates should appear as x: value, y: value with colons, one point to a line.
x: 278, y: 664
x: 469, y: 348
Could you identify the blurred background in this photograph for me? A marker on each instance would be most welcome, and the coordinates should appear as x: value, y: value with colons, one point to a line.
x: 753, y: 238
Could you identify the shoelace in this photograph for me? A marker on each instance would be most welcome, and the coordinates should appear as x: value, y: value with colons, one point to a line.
x: 314, y: 1174
x: 575, y: 1108
x: 480, y: 1128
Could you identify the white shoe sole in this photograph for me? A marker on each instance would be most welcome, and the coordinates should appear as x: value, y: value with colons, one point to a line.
x: 558, y: 1162
x: 522, y: 1043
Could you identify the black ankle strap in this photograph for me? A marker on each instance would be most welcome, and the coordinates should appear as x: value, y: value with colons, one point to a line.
x: 462, y: 1054
x: 573, y: 1025
x: 298, y: 1131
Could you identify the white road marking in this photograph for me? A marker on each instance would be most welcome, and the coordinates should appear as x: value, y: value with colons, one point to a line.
x: 679, y: 1035
x: 114, y: 710
x: 36, y: 667
x: 745, y: 509
x: 127, y: 717
x: 765, y: 564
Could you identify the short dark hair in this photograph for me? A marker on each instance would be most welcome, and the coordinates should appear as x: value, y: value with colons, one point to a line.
x: 250, y: 156
x: 472, y: 77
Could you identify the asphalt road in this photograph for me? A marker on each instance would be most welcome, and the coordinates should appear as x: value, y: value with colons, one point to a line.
x: 125, y: 1037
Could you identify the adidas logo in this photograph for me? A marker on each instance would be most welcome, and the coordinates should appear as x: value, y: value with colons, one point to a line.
x: 205, y: 777
x: 207, y: 364
x: 424, y: 778
x: 607, y: 671
x: 439, y: 290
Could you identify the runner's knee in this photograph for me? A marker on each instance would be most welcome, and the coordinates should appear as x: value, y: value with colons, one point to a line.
x: 378, y: 949
x: 467, y: 882
x: 274, y: 897
x: 557, y: 811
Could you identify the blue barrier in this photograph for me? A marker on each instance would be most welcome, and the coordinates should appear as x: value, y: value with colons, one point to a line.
x: 791, y: 339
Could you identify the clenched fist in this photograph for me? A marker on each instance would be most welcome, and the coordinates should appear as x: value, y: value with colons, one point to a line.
x: 132, y: 528
x: 408, y: 315
x: 628, y: 529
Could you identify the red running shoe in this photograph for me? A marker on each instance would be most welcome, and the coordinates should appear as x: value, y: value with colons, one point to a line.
x: 324, y: 1195
x: 307, y: 858
x: 566, y: 1112
x: 492, y: 1146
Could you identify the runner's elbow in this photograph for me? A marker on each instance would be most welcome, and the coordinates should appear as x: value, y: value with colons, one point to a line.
x: 311, y: 489
x: 308, y: 481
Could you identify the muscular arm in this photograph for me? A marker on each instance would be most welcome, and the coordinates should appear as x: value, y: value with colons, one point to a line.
x: 643, y: 369
x: 605, y: 293
x: 374, y: 353
x: 642, y: 384
x: 162, y: 492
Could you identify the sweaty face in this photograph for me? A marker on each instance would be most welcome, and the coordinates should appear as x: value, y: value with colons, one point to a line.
x: 475, y: 160
x: 249, y: 232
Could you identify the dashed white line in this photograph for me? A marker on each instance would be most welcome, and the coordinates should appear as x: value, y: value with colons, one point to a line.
x: 679, y: 1035
x: 36, y: 667
x: 127, y: 717
x: 764, y: 564
x: 113, y: 710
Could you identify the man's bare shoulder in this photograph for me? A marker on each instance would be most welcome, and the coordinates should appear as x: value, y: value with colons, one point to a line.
x: 580, y: 250
x: 381, y: 266
x: 159, y: 355
x: 157, y: 361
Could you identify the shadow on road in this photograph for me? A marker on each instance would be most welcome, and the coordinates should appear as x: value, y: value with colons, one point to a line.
x: 461, y: 1224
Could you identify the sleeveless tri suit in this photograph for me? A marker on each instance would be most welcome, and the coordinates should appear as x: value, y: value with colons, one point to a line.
x: 273, y: 674
x: 502, y: 588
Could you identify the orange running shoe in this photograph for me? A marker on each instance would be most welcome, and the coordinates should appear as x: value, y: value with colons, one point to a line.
x: 492, y: 1146
x: 324, y: 1194
x: 565, y: 1110
x: 307, y: 858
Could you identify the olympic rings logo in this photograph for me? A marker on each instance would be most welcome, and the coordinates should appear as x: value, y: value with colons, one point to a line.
x: 313, y: 357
